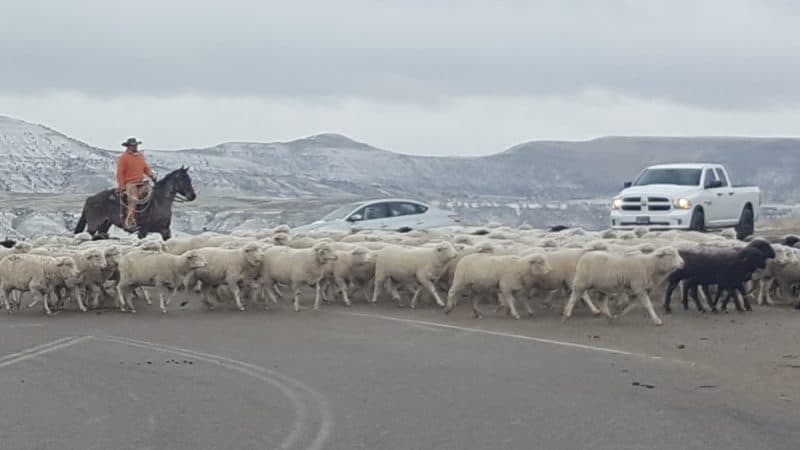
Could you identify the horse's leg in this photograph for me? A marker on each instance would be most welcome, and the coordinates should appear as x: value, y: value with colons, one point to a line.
x: 165, y: 234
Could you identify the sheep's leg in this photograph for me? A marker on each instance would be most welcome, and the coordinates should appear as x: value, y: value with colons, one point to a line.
x: 41, y: 296
x: 428, y: 284
x: 4, y: 293
x: 452, y: 298
x: 590, y: 304
x: 204, y: 297
x: 548, y: 300
x: 234, y: 287
x: 318, y: 296
x: 570, y: 305
x: 476, y: 312
x: 161, y: 302
x: 414, y: 297
x: 395, y: 293
x: 75, y: 292
x: 742, y: 296
x: 604, y: 309
x: 644, y: 300
x: 340, y: 283
x: 376, y: 291
x: 672, y: 284
x: 296, y: 293
x: 508, y: 297
x: 120, y: 298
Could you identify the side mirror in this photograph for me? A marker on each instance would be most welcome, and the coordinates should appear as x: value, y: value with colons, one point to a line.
x: 627, y: 184
x: 714, y: 184
x: 355, y: 218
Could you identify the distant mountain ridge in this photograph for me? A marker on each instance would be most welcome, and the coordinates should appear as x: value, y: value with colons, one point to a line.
x: 36, y: 159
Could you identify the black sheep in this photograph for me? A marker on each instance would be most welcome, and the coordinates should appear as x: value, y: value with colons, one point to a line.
x: 728, y: 269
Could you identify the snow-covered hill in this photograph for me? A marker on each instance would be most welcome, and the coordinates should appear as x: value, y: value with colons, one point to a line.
x: 319, y: 171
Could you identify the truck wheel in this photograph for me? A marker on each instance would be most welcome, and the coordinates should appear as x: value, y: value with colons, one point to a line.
x: 698, y: 222
x: 746, y: 225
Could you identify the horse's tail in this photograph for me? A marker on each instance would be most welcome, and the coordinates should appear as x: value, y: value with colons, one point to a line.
x: 81, y: 222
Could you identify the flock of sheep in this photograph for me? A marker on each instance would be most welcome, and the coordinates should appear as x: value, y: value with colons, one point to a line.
x: 609, y: 272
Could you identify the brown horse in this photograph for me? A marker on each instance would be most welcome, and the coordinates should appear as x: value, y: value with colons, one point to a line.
x: 104, y: 209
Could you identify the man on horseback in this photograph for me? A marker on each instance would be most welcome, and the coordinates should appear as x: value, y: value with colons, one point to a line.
x: 131, y: 170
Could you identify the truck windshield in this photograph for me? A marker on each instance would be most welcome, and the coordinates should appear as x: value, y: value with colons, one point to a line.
x: 682, y: 177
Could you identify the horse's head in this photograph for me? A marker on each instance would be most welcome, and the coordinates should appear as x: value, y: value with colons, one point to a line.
x: 182, y: 184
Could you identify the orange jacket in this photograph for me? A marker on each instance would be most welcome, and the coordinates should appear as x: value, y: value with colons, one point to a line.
x: 131, y: 168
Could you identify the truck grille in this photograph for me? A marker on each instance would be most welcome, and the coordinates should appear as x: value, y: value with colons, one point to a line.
x: 646, y: 204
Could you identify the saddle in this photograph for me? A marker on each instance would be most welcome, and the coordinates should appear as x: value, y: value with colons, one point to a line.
x: 145, y: 192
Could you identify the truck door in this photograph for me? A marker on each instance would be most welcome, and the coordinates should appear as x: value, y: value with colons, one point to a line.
x: 729, y: 204
x: 713, y: 198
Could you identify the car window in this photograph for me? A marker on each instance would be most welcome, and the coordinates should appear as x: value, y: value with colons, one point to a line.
x: 402, y: 209
x: 709, y: 178
x: 375, y: 211
x: 721, y: 176
x: 420, y: 208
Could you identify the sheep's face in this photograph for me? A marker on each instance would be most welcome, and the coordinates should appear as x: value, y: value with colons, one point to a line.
x: 485, y: 248
x: 668, y: 260
x: 445, y: 251
x: 538, y: 264
x: 609, y: 234
x: 782, y: 257
x: 362, y: 256
x: 253, y: 254
x: 324, y: 253
x: 96, y: 259
x: 762, y: 246
x: 195, y: 261
x: 640, y: 232
x: 66, y: 268
x: 280, y: 239
x: 22, y: 247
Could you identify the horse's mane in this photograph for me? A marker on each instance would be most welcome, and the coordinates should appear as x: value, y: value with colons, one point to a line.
x: 170, y: 176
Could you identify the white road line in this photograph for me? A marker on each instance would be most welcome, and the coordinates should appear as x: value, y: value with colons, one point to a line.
x: 33, y: 349
x: 68, y: 343
x: 259, y: 373
x: 522, y: 337
x: 20, y: 325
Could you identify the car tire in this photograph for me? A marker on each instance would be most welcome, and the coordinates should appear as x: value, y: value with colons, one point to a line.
x: 746, y: 225
x: 698, y: 221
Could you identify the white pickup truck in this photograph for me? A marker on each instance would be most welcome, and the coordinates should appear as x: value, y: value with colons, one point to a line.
x: 686, y: 196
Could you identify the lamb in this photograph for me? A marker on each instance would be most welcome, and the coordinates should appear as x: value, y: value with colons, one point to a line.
x: 91, y: 265
x: 356, y: 266
x: 783, y: 270
x: 141, y: 268
x: 629, y: 274
x: 228, y: 267
x: 296, y: 267
x: 501, y: 274
x: 41, y: 275
x: 421, y: 266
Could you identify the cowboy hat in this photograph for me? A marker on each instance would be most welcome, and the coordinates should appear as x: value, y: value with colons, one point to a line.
x: 131, y: 142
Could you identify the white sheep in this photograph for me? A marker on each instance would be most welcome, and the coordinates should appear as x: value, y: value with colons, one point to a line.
x: 228, y: 267
x: 41, y: 275
x: 354, y: 267
x: 503, y: 275
x: 142, y: 268
x: 423, y: 266
x: 628, y: 274
x: 296, y: 267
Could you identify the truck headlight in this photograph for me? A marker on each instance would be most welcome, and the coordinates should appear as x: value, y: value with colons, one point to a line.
x: 682, y: 203
x: 616, y: 203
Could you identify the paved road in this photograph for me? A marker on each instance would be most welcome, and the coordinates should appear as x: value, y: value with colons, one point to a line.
x: 363, y: 378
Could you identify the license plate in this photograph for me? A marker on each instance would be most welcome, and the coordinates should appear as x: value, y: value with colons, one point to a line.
x: 642, y: 220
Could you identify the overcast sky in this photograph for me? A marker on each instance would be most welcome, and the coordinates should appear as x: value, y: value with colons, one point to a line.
x: 452, y: 77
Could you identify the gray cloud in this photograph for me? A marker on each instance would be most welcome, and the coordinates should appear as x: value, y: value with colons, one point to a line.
x: 723, y: 54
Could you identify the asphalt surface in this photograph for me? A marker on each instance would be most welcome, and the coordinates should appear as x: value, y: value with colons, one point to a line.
x: 388, y: 378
